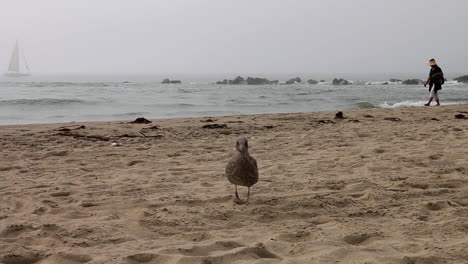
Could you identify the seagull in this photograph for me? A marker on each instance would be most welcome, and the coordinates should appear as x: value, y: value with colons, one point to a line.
x: 242, y: 168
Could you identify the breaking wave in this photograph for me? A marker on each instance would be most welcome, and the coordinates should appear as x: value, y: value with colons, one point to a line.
x: 43, y: 101
x: 412, y: 103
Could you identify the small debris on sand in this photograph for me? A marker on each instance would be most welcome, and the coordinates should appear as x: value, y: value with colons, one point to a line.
x: 215, y: 126
x: 209, y: 120
x: 141, y: 120
x: 235, y: 122
x: 326, y: 122
x: 339, y: 115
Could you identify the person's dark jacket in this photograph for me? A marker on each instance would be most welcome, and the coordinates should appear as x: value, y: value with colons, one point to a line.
x: 437, y: 78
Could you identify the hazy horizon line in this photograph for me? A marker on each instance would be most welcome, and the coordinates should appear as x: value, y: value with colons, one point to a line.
x: 234, y: 74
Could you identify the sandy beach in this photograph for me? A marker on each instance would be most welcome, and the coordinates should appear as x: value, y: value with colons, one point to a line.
x: 379, y: 186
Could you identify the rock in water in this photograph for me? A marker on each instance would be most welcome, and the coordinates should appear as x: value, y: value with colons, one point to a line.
x: 294, y: 80
x: 238, y: 80
x: 259, y: 81
x: 463, y: 79
x: 412, y: 81
x: 167, y: 81
x: 340, y: 81
x: 242, y: 168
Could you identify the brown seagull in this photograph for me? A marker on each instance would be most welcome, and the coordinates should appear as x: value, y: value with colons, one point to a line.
x: 242, y: 168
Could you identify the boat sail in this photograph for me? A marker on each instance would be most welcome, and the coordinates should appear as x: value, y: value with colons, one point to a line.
x: 14, y: 69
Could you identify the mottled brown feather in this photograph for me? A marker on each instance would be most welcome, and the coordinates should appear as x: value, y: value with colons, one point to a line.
x: 242, y: 168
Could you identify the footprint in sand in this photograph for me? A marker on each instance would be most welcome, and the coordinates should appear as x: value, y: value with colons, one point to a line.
x: 428, y: 260
x: 56, y: 154
x: 206, y: 184
x: 68, y: 258
x: 134, y: 162
x: 148, y: 258
x: 22, y: 257
x: 40, y: 211
x: 357, y: 239
x: 437, y: 206
x: 215, y: 252
x: 51, y: 203
x: 13, y: 230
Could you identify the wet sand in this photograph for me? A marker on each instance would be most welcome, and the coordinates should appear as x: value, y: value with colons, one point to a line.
x: 380, y: 186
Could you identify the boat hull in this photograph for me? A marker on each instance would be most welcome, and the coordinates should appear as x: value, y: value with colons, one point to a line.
x: 16, y: 74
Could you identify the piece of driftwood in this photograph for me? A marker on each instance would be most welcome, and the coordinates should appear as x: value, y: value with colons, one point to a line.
x: 215, y: 126
x: 125, y: 136
x: 68, y: 129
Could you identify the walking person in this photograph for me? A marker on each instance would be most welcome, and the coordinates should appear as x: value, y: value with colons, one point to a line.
x: 435, y: 81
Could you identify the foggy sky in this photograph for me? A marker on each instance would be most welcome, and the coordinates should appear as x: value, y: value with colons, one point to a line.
x: 235, y: 36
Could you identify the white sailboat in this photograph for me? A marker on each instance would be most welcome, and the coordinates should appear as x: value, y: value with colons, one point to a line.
x: 15, y: 69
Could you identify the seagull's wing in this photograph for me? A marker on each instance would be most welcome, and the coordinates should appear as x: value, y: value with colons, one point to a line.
x: 254, y: 162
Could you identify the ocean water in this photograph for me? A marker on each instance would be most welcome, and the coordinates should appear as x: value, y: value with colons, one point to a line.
x: 50, y: 100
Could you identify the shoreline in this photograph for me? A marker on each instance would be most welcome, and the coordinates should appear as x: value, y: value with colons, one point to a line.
x: 381, y: 186
x: 227, y: 116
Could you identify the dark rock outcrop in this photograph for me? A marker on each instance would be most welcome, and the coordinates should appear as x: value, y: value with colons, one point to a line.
x: 340, y: 81
x: 294, y: 80
x: 395, y: 80
x: 167, y: 81
x: 237, y: 80
x: 463, y: 79
x: 259, y: 81
x: 412, y: 82
x: 249, y: 81
x: 311, y: 81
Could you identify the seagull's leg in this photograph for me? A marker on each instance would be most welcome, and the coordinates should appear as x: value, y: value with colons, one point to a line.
x: 237, y: 195
x: 248, y: 194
